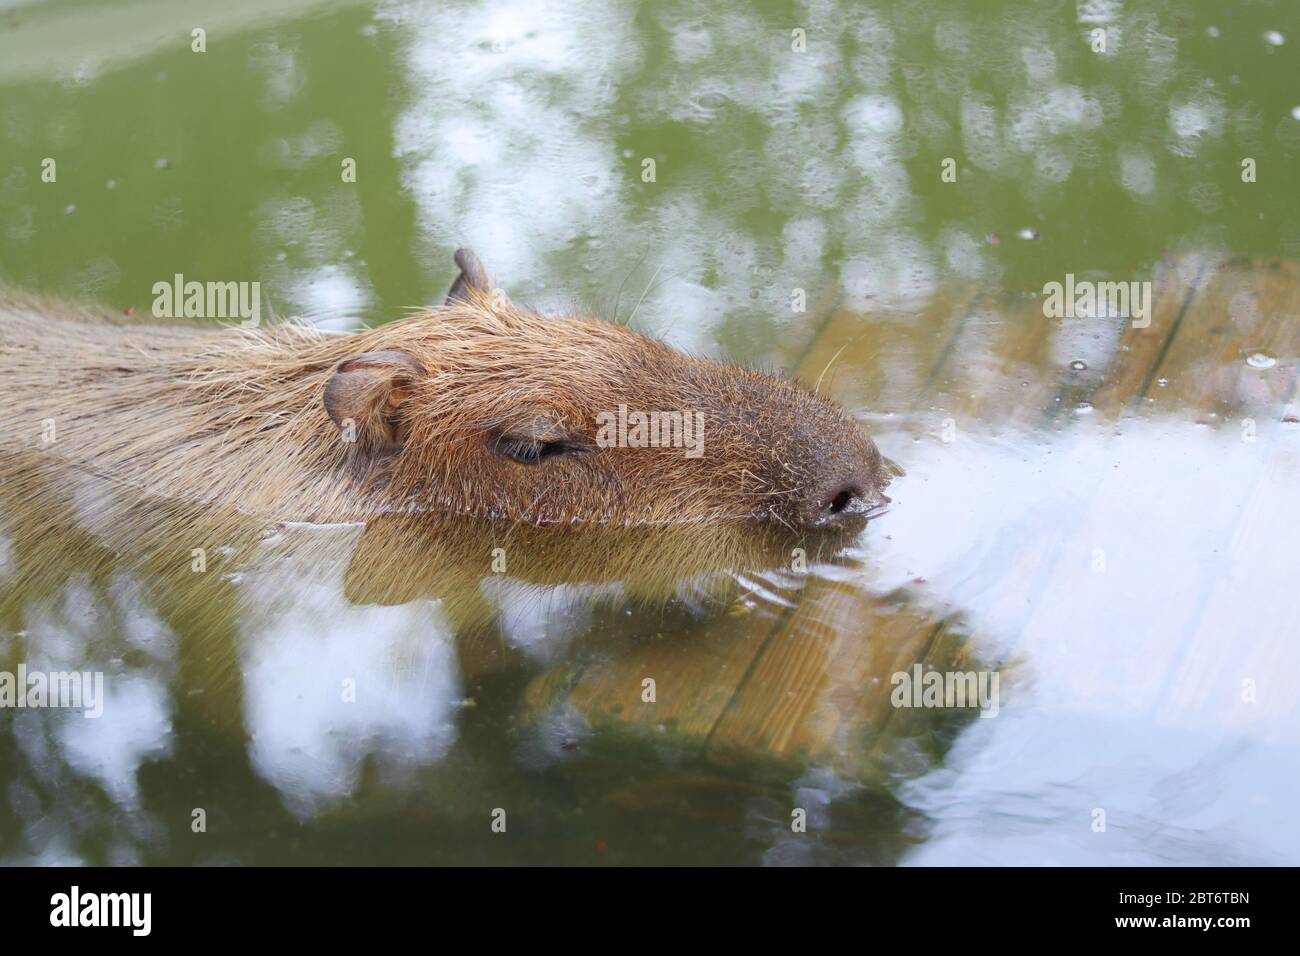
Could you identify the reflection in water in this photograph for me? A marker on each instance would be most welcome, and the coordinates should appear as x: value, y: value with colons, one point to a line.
x: 1140, y: 567
x: 1130, y: 574
x: 78, y: 42
x: 1141, y: 576
x: 331, y: 687
x: 352, y: 656
x: 65, y: 634
x: 337, y: 651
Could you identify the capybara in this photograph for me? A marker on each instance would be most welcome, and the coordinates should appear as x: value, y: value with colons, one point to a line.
x: 476, y: 408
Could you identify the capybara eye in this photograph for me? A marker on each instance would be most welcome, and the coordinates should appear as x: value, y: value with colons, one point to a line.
x: 530, y: 451
x: 536, y: 438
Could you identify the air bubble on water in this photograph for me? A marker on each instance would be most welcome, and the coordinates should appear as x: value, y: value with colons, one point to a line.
x: 1079, y: 365
x: 1212, y: 32
x: 710, y: 102
x: 111, y: 184
x: 1260, y: 360
x: 69, y: 209
x: 162, y: 163
x: 1273, y: 38
x: 1028, y: 234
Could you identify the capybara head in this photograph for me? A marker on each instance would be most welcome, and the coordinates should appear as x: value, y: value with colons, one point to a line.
x: 488, y: 409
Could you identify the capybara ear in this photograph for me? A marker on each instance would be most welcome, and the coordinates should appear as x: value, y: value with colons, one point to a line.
x: 472, y: 276
x: 363, y: 394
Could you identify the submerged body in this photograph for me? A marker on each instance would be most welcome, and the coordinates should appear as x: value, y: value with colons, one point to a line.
x: 476, y: 408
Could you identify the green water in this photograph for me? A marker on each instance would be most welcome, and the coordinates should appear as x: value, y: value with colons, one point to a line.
x: 523, y: 131
x: 522, y: 128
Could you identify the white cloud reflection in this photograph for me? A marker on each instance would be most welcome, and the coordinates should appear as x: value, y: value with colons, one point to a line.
x: 331, y: 686
x: 1130, y: 693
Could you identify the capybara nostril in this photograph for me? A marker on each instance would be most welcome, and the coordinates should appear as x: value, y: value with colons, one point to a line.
x: 842, y: 499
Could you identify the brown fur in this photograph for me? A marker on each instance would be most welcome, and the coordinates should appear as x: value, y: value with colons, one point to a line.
x: 237, y: 417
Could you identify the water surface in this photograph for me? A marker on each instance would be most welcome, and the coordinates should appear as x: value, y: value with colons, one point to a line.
x: 1125, y: 566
